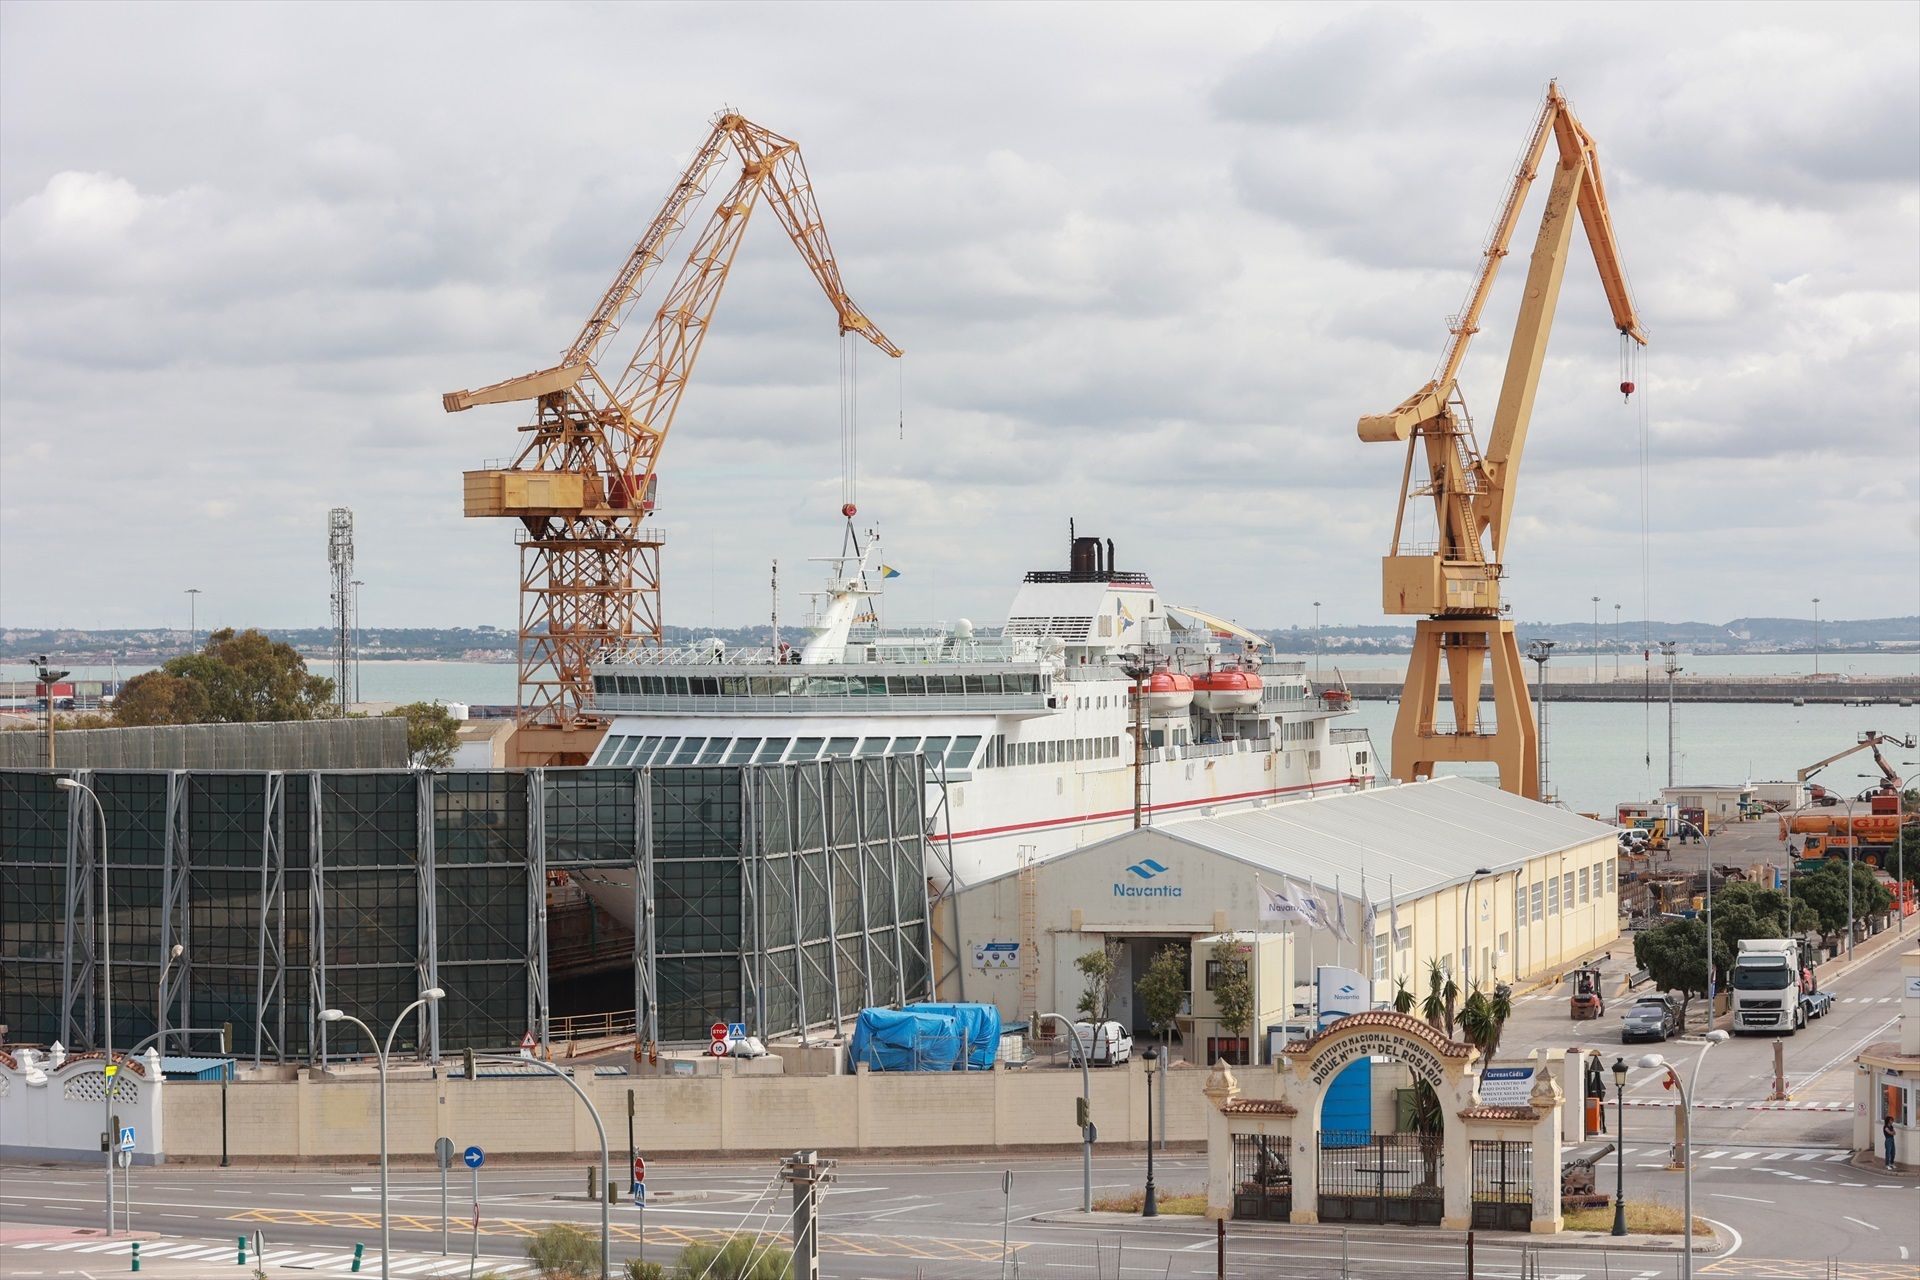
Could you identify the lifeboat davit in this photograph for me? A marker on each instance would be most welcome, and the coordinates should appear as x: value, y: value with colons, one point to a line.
x: 1166, y: 692
x: 1229, y: 689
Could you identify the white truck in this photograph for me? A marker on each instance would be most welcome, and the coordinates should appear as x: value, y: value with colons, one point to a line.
x: 1773, y: 987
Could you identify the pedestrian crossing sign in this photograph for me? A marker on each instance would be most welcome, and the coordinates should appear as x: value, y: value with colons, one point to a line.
x: 126, y: 1137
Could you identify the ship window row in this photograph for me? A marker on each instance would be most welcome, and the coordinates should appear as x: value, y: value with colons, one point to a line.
x: 1299, y: 731
x: 635, y: 751
x: 822, y: 686
x: 1003, y: 754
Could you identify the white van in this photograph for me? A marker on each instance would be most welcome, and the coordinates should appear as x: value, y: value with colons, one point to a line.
x: 1107, y: 1044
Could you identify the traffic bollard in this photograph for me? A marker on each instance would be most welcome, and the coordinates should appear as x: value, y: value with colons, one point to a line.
x: 358, y: 1250
x: 136, y: 1255
x: 241, y: 1244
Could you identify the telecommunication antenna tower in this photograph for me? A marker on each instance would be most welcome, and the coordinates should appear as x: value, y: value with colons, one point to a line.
x: 340, y: 564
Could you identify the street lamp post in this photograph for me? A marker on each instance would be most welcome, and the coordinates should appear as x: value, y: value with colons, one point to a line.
x: 1673, y: 669
x: 1616, y: 642
x: 106, y: 981
x: 160, y: 1014
x: 1150, y: 1208
x: 1816, y: 637
x: 1620, y: 1152
x: 1469, y: 970
x: 383, y: 1050
x: 1316, y: 641
x: 1653, y: 1060
x: 606, y: 1188
x: 1086, y: 1110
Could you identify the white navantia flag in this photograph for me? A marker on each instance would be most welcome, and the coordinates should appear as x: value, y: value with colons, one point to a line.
x: 1316, y: 912
x: 1275, y: 905
x: 1339, y: 922
x: 1369, y: 917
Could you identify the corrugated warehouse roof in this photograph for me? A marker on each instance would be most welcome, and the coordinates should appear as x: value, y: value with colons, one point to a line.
x: 1424, y: 835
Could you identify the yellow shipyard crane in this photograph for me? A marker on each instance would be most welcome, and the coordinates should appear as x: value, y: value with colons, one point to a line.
x: 1453, y: 583
x: 583, y: 484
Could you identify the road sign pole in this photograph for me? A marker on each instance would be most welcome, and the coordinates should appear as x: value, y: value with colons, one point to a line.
x: 443, y: 1207
x: 474, y: 1256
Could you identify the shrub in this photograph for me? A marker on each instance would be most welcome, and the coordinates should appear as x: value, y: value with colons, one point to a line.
x: 638, y: 1270
x: 741, y: 1258
x: 563, y: 1251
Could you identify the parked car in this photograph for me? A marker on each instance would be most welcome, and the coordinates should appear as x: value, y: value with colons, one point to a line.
x: 1652, y: 1017
x: 1106, y: 1044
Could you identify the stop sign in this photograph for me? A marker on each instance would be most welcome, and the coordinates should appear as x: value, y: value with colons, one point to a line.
x: 718, y: 1031
x: 639, y: 1168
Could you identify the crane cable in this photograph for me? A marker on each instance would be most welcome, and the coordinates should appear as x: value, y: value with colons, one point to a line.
x: 1646, y: 569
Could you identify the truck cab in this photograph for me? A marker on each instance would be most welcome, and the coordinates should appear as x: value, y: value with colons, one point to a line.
x: 1768, y: 992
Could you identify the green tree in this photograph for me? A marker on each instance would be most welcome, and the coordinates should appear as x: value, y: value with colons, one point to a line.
x: 1164, y: 987
x: 1233, y: 984
x: 241, y: 677
x: 1442, y: 993
x: 1483, y: 1019
x: 1096, y: 976
x: 433, y: 735
x: 740, y: 1258
x: 1402, y: 998
x: 1823, y: 888
x: 154, y: 697
x: 1675, y: 957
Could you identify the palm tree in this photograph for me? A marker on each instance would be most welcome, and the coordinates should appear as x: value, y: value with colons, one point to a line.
x: 1434, y: 1006
x: 1484, y: 1019
x: 1402, y: 998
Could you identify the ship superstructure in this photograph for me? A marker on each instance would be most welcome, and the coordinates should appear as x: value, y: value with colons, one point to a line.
x: 1029, y: 734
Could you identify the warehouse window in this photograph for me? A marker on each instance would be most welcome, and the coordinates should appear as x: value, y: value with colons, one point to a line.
x: 1403, y: 937
x: 1539, y: 911
x: 1583, y: 886
x: 1566, y: 890
x: 1553, y: 896
x: 1519, y: 903
x: 1610, y: 874
x: 1379, y: 957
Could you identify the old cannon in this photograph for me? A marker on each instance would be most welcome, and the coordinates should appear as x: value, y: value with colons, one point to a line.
x: 1577, y: 1182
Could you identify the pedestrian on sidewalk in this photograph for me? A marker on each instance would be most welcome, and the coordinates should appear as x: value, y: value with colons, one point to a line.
x: 1886, y: 1139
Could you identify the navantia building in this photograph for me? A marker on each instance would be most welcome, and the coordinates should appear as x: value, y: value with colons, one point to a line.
x: 1381, y: 882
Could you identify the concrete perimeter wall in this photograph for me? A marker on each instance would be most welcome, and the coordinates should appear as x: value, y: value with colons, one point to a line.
x: 705, y: 1116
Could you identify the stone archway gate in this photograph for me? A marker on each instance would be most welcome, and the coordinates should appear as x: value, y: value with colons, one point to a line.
x: 1264, y: 1147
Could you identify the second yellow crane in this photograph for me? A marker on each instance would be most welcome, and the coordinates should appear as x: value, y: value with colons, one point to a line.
x: 1453, y: 583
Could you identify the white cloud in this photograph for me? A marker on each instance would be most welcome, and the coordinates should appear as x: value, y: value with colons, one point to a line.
x: 1150, y: 263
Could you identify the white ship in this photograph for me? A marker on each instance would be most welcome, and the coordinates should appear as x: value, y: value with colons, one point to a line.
x: 1029, y: 735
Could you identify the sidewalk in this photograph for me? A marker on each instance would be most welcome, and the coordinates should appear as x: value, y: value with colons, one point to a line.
x: 42, y: 1253
x: 1383, y: 1235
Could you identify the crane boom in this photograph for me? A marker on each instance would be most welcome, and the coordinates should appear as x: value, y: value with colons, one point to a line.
x: 1454, y: 583
x: 584, y: 481
x: 1869, y: 741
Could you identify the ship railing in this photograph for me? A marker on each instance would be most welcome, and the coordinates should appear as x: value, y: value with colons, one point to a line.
x: 807, y: 704
x: 1350, y: 735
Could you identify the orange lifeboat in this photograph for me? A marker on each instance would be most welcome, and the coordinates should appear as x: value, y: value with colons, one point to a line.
x: 1336, y: 699
x: 1167, y: 692
x: 1228, y: 689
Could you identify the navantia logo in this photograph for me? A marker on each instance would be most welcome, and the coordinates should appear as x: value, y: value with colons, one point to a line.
x: 1143, y: 872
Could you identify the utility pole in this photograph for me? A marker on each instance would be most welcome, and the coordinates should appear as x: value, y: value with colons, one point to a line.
x: 193, y: 621
x: 805, y: 1171
x: 1816, y: 637
x: 1673, y: 669
x: 48, y: 677
x: 1616, y: 641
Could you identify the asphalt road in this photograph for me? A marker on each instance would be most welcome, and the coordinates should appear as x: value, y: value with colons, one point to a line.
x: 1786, y: 1211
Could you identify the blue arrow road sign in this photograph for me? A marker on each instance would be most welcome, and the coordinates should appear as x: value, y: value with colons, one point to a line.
x: 126, y: 1138
x: 475, y: 1157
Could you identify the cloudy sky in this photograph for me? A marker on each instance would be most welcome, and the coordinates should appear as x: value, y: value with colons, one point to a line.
x: 1149, y: 264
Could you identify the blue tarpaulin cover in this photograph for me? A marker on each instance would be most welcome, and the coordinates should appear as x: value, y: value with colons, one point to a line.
x: 980, y: 1023
x: 885, y: 1040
